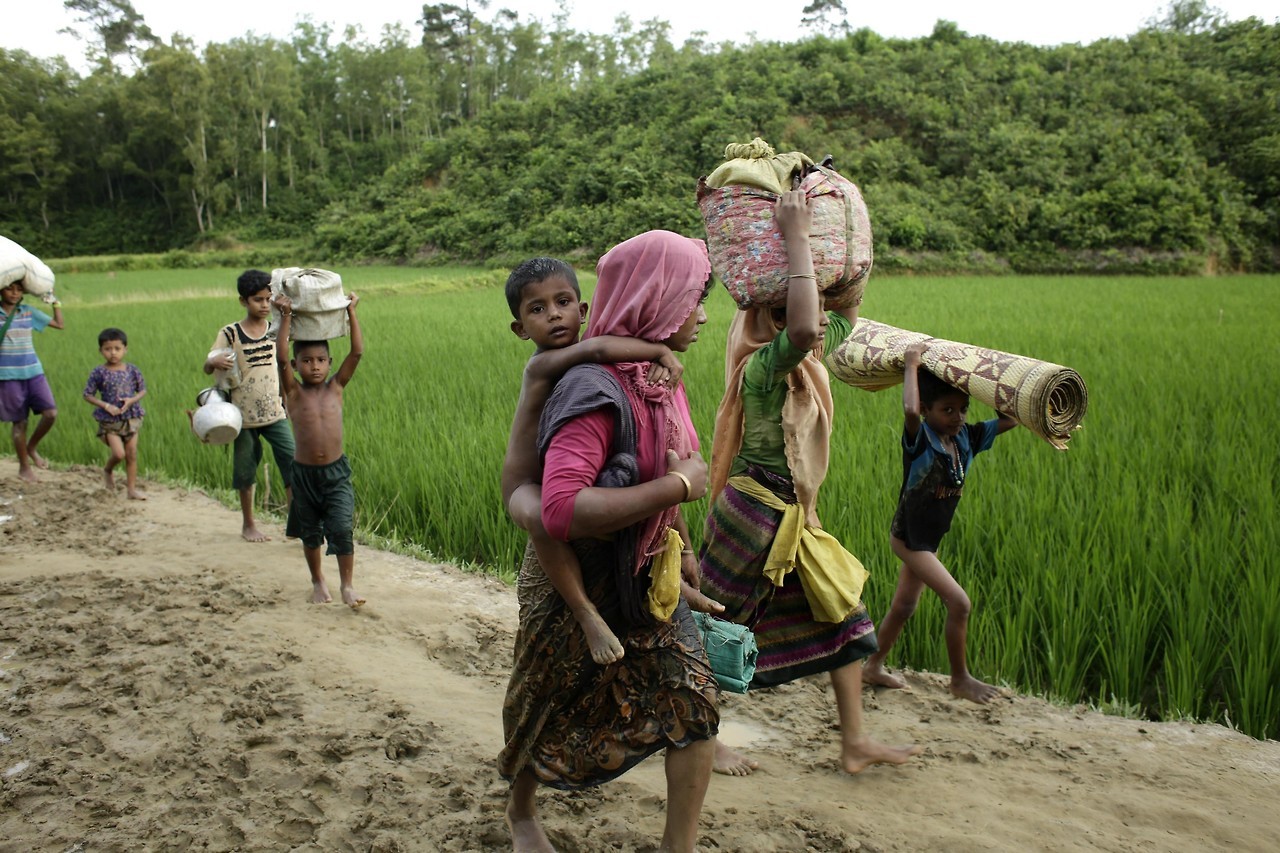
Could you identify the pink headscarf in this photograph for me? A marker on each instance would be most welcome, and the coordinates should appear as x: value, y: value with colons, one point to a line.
x: 647, y: 287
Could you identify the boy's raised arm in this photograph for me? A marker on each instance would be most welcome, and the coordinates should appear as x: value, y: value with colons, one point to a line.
x: 911, y: 388
x: 287, y: 382
x: 352, y: 361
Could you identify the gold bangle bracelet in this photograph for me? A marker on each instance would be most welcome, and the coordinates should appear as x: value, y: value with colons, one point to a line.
x: 688, y: 487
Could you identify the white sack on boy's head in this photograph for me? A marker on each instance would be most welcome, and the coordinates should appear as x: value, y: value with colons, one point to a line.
x: 319, y: 303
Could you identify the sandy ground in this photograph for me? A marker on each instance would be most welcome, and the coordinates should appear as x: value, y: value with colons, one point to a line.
x: 167, y: 686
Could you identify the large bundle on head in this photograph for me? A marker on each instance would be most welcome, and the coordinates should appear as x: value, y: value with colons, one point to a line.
x: 319, y: 305
x: 1046, y: 398
x: 17, y: 264
x: 747, y: 250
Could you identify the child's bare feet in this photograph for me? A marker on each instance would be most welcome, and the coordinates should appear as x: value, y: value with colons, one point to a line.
x: 974, y: 690
x: 731, y: 762
x: 135, y: 495
x: 527, y: 835
x: 860, y: 754
x: 109, y: 481
x: 877, y: 675
x: 605, y: 646
x: 25, y: 473
x: 320, y: 593
x: 351, y: 598
x: 251, y: 533
x: 37, y: 460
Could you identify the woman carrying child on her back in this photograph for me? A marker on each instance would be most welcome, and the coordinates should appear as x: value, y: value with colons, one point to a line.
x: 937, y: 450
x: 620, y: 458
x: 547, y: 307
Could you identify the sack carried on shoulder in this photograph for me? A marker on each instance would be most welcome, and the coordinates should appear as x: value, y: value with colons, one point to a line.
x: 747, y: 250
x: 731, y: 648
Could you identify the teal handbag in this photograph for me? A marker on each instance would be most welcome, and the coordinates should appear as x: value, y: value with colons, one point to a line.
x: 731, y: 648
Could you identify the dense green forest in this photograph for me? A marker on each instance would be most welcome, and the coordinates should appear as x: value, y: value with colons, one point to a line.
x: 482, y: 137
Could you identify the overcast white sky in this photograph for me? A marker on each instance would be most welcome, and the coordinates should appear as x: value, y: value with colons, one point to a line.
x: 34, y: 28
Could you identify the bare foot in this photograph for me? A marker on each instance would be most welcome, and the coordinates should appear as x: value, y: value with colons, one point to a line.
x: 320, y: 593
x: 527, y: 835
x: 880, y: 677
x: 27, y: 474
x: 863, y: 752
x: 250, y: 533
x: 605, y: 647
x: 351, y: 598
x: 974, y: 690
x: 731, y: 762
x: 37, y: 460
x: 109, y: 481
x: 135, y: 495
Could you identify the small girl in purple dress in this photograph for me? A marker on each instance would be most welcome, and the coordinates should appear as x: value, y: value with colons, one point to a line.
x: 114, y: 388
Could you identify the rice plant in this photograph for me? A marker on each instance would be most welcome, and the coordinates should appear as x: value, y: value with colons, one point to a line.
x: 1136, y: 569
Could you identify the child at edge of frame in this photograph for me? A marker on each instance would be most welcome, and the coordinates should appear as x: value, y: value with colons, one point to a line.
x: 114, y: 389
x: 23, y: 386
x: 249, y: 345
x: 547, y: 307
x: 323, y: 503
x: 938, y: 448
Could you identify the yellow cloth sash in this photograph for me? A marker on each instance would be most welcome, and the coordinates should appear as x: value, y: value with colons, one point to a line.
x: 664, y: 578
x: 832, y: 577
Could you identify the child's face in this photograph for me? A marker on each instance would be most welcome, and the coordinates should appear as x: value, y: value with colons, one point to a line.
x: 946, y: 415
x: 258, y: 305
x: 12, y: 294
x: 550, y: 314
x: 113, y: 352
x: 312, y: 364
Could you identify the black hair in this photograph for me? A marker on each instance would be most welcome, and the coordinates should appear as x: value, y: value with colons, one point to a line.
x: 533, y: 271
x: 112, y: 334
x: 932, y: 388
x: 253, y: 281
x: 297, y: 345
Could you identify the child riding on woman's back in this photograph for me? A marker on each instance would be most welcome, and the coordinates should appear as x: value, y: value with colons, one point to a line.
x: 547, y: 305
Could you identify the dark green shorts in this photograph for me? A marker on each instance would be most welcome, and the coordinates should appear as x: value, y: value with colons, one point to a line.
x: 324, y: 506
x: 246, y: 453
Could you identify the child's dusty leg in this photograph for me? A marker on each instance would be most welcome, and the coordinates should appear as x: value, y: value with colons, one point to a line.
x: 131, y: 469
x: 561, y: 567
x: 248, y: 530
x: 319, y: 591
x: 42, y: 429
x: 926, y: 566
x: 115, y: 455
x: 522, y: 816
x: 19, y: 433
x: 906, y: 595
x: 346, y: 574
x: 857, y: 751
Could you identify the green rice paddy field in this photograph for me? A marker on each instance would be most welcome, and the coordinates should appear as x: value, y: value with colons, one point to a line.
x: 1137, y: 571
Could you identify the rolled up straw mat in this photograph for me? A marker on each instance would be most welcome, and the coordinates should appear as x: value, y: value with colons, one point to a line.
x: 1046, y: 398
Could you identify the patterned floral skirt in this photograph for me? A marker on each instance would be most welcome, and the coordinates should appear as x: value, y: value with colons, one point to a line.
x: 739, y: 534
x: 575, y: 723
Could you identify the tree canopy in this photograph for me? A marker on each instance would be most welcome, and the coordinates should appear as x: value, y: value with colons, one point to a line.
x: 484, y: 137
